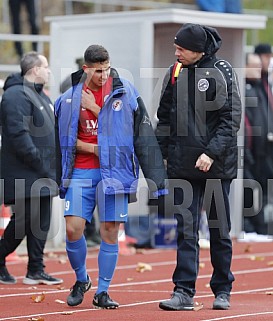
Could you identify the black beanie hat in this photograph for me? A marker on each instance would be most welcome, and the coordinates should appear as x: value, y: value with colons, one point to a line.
x: 263, y: 48
x: 192, y: 37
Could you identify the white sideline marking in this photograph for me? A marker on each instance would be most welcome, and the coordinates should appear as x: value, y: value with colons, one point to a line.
x: 239, y: 316
x: 133, y: 266
x: 243, y: 256
x: 141, y: 303
x: 140, y: 283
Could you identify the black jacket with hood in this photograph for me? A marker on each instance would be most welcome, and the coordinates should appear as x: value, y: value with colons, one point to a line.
x: 200, y: 113
x: 258, y: 153
x: 28, y: 164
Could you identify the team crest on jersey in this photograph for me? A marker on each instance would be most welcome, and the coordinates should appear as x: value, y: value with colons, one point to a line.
x: 203, y: 85
x: 117, y: 105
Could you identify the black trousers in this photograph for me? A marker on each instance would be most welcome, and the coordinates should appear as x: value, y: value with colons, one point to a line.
x: 15, y: 10
x: 212, y: 195
x: 30, y: 218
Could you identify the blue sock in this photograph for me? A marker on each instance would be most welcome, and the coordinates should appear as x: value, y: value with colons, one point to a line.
x: 107, y: 261
x: 76, y: 252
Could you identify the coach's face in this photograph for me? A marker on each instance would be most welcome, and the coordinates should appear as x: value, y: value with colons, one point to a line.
x: 187, y: 57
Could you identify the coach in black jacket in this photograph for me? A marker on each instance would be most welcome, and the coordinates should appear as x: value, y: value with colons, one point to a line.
x: 28, y: 166
x: 199, y: 115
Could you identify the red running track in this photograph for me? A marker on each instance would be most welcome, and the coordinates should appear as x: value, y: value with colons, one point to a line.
x: 139, y: 293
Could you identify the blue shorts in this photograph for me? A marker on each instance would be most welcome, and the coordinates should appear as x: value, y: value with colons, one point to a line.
x: 85, y: 192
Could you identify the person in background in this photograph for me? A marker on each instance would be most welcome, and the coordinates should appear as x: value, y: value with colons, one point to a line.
x: 227, y: 6
x: 264, y: 51
x: 253, y: 91
x: 92, y: 234
x: 258, y: 155
x: 28, y: 166
x: 15, y: 7
x: 104, y: 134
x: 199, y: 115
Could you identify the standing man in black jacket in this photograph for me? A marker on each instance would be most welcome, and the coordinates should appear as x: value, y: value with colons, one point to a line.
x: 258, y: 152
x: 199, y: 115
x: 28, y: 166
x: 260, y: 143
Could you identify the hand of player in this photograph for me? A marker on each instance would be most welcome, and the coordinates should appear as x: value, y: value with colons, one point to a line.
x: 88, y: 102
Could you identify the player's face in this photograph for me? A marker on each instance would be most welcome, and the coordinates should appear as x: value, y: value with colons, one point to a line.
x: 97, y: 74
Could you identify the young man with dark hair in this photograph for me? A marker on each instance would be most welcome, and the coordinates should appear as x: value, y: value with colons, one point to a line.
x: 104, y: 132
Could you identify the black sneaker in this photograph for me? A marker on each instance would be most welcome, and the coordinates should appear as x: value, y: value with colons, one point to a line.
x: 5, y: 277
x: 178, y: 301
x: 103, y: 301
x: 77, y: 292
x: 41, y: 277
x: 221, y: 302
